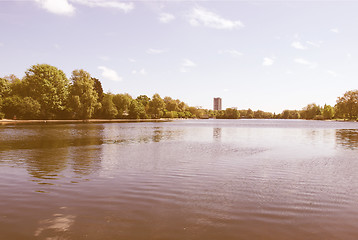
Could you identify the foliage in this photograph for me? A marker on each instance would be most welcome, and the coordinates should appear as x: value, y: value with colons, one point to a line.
x: 46, y: 93
x: 4, y: 87
x: 97, y: 85
x: 156, y: 106
x: 49, y: 86
x: 83, y: 96
x: 347, y: 105
x: 122, y: 103
x: 311, y: 111
x: 21, y: 108
x: 136, y: 110
x: 328, y: 112
x: 109, y: 110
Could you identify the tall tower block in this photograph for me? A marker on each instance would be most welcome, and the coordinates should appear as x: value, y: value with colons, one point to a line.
x: 217, y: 104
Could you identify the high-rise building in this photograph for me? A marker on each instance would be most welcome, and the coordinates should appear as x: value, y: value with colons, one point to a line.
x: 217, y: 104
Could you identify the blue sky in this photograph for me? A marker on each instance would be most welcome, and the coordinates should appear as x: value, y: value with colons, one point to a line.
x: 267, y: 55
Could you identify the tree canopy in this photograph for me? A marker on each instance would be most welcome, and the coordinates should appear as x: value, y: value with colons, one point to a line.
x: 46, y: 93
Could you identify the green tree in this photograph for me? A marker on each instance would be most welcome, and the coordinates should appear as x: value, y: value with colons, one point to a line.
x: 83, y: 96
x: 156, y: 106
x: 347, y: 105
x: 311, y: 111
x: 328, y: 112
x: 144, y: 99
x: 98, y: 88
x: 21, y: 108
x: 122, y: 103
x: 4, y: 88
x: 109, y: 110
x: 136, y: 110
x: 231, y: 113
x: 49, y: 86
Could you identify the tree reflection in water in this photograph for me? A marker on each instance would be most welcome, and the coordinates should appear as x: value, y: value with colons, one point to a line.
x: 347, y: 138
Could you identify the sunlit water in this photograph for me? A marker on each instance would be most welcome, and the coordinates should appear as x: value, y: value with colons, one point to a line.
x: 189, y: 179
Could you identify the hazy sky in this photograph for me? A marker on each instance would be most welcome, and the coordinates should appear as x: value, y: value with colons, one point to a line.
x: 268, y: 55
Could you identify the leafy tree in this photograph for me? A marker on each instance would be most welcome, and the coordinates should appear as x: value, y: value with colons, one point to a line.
x: 4, y: 87
x: 122, y: 103
x: 49, y: 86
x: 21, y: 108
x: 98, y: 88
x: 311, y: 111
x: 109, y: 110
x: 136, y: 110
x: 231, y: 113
x: 83, y: 96
x: 290, y: 114
x: 249, y: 113
x: 328, y: 112
x: 347, y: 105
x: 156, y: 106
x: 144, y: 99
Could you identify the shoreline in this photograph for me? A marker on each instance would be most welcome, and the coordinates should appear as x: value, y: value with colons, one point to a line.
x: 11, y: 121
x: 57, y: 121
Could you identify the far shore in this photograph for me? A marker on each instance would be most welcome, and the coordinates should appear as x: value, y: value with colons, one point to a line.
x: 11, y: 121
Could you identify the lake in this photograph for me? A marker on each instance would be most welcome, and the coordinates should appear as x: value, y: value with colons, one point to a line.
x: 186, y: 179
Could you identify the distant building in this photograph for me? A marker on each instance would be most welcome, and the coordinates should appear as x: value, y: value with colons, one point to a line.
x: 217, y: 104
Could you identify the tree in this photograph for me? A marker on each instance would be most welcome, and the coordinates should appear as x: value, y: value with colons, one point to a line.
x: 83, y: 96
x: 156, y: 106
x: 328, y: 112
x: 122, y: 103
x: 49, y: 86
x: 98, y: 88
x: 21, y: 108
x: 4, y: 87
x: 231, y: 113
x: 311, y: 111
x: 109, y: 110
x: 136, y: 110
x: 144, y: 99
x: 347, y: 105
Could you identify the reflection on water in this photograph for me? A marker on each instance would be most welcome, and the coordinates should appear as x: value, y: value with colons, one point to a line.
x: 347, y: 138
x: 217, y: 133
x: 208, y: 179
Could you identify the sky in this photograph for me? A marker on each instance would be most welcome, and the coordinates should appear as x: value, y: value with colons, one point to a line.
x: 267, y: 55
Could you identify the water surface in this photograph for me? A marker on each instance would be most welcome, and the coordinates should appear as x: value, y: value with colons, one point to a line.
x: 187, y: 179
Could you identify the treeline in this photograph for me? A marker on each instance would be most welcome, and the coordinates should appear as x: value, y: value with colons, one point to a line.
x: 46, y: 93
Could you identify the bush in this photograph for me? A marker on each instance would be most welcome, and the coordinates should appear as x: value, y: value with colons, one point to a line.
x: 318, y: 117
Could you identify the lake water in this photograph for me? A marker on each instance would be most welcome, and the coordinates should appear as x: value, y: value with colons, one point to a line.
x: 187, y: 179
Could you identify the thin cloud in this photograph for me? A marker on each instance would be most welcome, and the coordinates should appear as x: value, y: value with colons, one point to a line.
x: 109, y: 74
x: 166, y: 17
x: 332, y: 73
x: 334, y: 30
x: 59, y: 7
x: 186, y: 65
x: 298, y: 45
x: 268, y: 61
x: 315, y: 44
x: 155, y: 51
x: 141, y: 72
x: 232, y: 53
x: 123, y: 6
x: 66, y: 7
x: 202, y: 17
x: 305, y: 62
x: 104, y: 58
x: 1, y: 44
